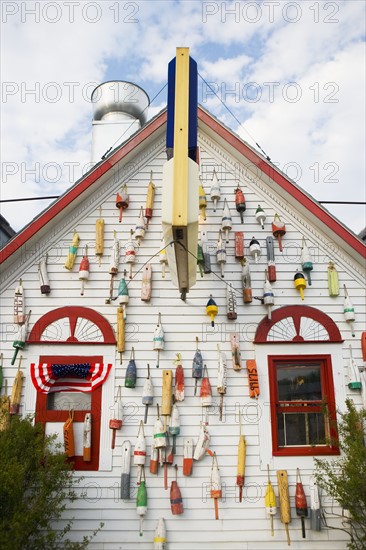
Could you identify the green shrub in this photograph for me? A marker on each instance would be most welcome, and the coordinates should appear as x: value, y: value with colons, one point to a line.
x: 36, y: 483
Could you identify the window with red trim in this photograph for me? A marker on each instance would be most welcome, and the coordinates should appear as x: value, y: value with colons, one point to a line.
x: 303, y: 410
x: 55, y: 407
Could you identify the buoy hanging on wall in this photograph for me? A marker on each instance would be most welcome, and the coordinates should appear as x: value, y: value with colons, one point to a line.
x: 221, y: 253
x: 239, y: 245
x: 150, y: 199
x: 240, y: 203
x: 126, y: 470
x: 84, y: 269
x: 43, y: 276
x: 140, y: 227
x: 271, y: 266
x: 260, y: 216
x: 73, y: 249
x: 333, y: 282
x: 255, y: 249
x: 19, y: 304
x: 212, y: 310
x: 253, y: 378
x: 147, y: 393
x: 197, y: 366
x: 160, y: 535
x: 122, y: 201
x: 353, y: 373
x: 158, y: 339
x: 216, y: 491
x: 99, y: 237
x: 270, y: 501
x: 278, y: 230
x: 235, y: 350
x: 240, y: 477
x: 226, y: 222
x: 306, y: 260
x: 348, y: 310
x: 284, y: 497
x: 215, y: 190
x: 221, y: 379
x: 300, y: 283
x: 246, y: 282
x: 300, y: 502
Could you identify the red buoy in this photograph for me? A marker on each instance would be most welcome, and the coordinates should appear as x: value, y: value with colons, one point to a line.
x: 176, y: 501
x: 300, y: 502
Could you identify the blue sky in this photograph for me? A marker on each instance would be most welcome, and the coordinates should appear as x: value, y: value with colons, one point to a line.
x: 291, y: 72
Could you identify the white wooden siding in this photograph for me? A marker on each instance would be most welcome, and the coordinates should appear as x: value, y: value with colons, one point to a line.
x: 243, y: 525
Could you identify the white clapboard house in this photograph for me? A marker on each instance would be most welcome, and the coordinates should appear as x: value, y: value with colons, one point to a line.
x: 298, y: 349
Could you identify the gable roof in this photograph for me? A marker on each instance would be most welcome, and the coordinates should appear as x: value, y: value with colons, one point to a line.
x: 278, y: 181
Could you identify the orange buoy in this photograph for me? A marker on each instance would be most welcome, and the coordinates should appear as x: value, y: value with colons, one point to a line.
x: 176, y: 501
x: 216, y: 491
x: 122, y: 201
x: 205, y: 391
x: 253, y: 378
x: 278, y: 230
x: 300, y: 502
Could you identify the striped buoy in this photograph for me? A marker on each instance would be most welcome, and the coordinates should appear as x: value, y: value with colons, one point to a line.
x: 278, y: 230
x: 306, y: 261
x: 221, y: 253
x: 221, y: 379
x: 268, y: 296
x: 154, y: 459
x: 140, y: 227
x: 116, y: 420
x: 19, y: 304
x: 255, y: 249
x: 147, y: 393
x: 187, y: 456
x: 179, y: 379
x: 139, y: 453
x: 158, y: 338
x: 122, y: 201
x: 87, y: 437
x: 160, y: 535
x: 216, y: 491
x: 84, y: 269
x: 271, y: 266
x: 348, y: 310
x: 176, y: 501
x: 130, y: 254
x: 125, y: 470
x: 205, y: 391
x: 270, y: 501
x: 260, y: 216
x: 159, y: 432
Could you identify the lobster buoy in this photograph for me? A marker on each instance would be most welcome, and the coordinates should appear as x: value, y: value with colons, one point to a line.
x: 160, y: 535
x: 197, y: 366
x: 84, y: 269
x: 231, y: 312
x: 333, y: 282
x: 130, y: 254
x: 21, y: 337
x: 160, y: 439
x: 115, y: 423
x: 99, y: 237
x: 166, y: 394
x: 179, y: 379
x: 113, y: 265
x: 221, y: 253
x: 140, y: 228
x: 300, y: 283
x: 206, y: 253
x: 235, y: 351
x: 239, y: 245
x: 163, y: 260
x: 240, y: 203
x: 73, y: 249
x: 300, y: 502
x: 125, y: 470
x: 306, y: 261
x: 131, y: 371
x: 240, y: 477
x: 122, y: 201
x: 139, y: 452
x: 278, y: 230
x: 87, y: 437
x: 226, y: 222
x: 205, y: 391
x: 212, y: 310
x: 150, y: 199
x: 68, y: 429
x: 176, y: 501
x: 202, y: 442
x: 255, y: 249
x: 349, y: 311
x: 216, y: 491
x: 158, y: 339
x: 123, y: 295
x: 270, y: 501
x: 147, y: 393
x: 202, y: 202
x: 246, y: 283
x: 187, y: 456
x: 271, y: 266
x: 120, y: 332
x: 43, y: 276
x: 253, y: 378
x: 154, y: 459
x: 174, y: 425
x: 284, y: 497
x: 146, y: 283
x: 215, y: 190
x: 268, y: 296
x: 260, y: 216
x: 19, y: 305
x: 315, y: 514
x: 141, y: 501
x: 221, y: 379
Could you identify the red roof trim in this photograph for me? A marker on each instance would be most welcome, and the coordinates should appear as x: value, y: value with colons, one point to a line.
x: 218, y: 128
x: 287, y: 185
x: 78, y: 189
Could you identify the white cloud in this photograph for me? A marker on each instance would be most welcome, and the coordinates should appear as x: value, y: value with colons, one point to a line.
x: 137, y: 40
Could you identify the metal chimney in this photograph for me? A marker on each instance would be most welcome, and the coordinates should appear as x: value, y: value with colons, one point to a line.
x: 120, y: 109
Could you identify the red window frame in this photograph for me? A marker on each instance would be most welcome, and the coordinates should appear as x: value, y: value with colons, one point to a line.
x: 48, y: 416
x: 328, y: 398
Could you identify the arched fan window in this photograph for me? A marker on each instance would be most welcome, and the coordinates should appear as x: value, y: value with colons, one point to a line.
x: 294, y: 324
x: 72, y: 325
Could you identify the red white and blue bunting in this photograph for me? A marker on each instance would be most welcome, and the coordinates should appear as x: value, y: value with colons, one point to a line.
x: 55, y: 377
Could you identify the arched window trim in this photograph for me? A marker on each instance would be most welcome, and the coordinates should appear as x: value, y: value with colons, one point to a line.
x: 296, y: 313
x: 73, y: 313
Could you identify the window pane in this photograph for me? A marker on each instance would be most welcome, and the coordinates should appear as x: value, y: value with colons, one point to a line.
x: 301, y: 429
x: 299, y: 382
x: 66, y: 401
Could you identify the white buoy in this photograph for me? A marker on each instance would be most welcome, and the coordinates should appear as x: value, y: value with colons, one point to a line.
x: 215, y: 192
x: 160, y: 535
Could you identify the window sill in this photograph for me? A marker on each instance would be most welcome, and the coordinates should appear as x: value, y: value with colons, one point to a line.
x: 306, y: 451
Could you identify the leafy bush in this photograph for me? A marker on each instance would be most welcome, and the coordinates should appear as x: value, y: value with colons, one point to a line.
x: 36, y: 483
x: 345, y: 478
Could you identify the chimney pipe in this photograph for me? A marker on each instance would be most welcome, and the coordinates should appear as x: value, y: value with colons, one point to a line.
x: 119, y: 110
